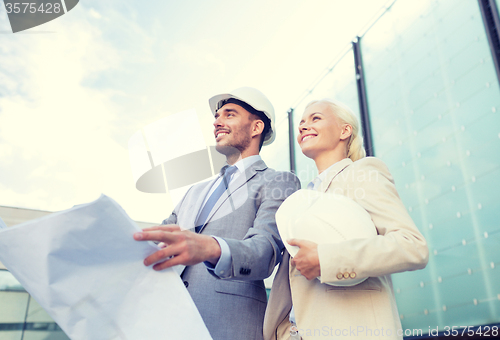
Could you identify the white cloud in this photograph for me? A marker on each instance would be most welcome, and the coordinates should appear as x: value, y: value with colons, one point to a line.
x: 198, y: 54
x: 94, y: 14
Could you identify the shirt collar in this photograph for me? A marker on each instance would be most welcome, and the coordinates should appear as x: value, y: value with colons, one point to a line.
x: 247, y: 162
x: 323, y: 174
x: 321, y: 177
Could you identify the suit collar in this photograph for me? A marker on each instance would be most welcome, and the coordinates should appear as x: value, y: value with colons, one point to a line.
x: 332, y: 172
x: 259, y: 165
x: 247, y: 162
x: 234, y: 186
x: 250, y: 171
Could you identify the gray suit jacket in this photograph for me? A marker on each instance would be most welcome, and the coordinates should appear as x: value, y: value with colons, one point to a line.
x: 233, y: 308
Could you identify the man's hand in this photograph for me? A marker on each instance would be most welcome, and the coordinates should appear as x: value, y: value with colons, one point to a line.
x: 182, y: 247
x: 307, y: 260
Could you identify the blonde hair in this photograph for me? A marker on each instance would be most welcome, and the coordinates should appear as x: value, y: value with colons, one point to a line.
x: 355, y: 149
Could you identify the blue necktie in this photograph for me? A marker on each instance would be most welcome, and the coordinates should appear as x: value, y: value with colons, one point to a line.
x: 202, y: 218
x: 314, y: 183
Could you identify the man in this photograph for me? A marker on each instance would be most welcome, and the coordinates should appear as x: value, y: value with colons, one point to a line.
x: 230, y: 221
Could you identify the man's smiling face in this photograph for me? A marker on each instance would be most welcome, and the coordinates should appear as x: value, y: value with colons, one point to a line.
x: 232, y: 129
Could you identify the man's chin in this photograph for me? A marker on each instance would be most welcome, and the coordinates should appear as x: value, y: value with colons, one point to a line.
x: 227, y: 150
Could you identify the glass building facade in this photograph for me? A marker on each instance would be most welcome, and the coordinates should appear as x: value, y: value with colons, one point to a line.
x: 433, y: 99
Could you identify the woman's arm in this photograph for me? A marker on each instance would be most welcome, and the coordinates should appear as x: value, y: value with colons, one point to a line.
x: 398, y: 247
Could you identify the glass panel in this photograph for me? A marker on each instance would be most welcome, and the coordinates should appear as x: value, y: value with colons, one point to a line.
x: 14, y: 306
x: 434, y: 103
x: 14, y: 301
x: 12, y: 314
x: 9, y: 282
x: 37, y: 314
x: 277, y: 155
x: 44, y: 332
x: 338, y: 84
x: 10, y: 335
x: 40, y: 325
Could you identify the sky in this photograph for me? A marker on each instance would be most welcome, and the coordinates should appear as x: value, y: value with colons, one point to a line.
x: 73, y: 91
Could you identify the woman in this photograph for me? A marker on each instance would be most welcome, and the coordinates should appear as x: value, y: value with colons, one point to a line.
x: 329, y: 134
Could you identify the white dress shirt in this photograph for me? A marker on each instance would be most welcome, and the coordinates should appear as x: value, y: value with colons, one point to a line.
x: 223, y: 267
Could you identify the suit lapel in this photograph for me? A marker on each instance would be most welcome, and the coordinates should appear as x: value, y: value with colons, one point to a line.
x: 236, y: 184
x: 333, y: 173
x: 197, y: 205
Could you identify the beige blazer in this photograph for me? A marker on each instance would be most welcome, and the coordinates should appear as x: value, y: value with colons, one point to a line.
x: 367, y: 310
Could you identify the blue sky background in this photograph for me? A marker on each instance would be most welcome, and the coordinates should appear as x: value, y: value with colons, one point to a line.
x: 74, y: 90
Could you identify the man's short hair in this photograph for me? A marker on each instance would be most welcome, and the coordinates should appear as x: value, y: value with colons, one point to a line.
x: 260, y: 115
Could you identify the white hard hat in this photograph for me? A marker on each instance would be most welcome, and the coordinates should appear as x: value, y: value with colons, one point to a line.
x: 255, y: 99
x: 324, y: 218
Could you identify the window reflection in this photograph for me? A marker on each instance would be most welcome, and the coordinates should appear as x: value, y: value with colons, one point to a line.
x: 21, y: 317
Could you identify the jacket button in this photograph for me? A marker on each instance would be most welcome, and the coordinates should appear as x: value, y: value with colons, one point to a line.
x: 245, y: 271
x: 353, y: 275
x: 346, y: 275
x: 340, y: 276
x: 186, y: 284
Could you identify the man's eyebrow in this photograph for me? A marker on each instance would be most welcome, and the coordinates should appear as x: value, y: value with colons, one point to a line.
x: 229, y: 110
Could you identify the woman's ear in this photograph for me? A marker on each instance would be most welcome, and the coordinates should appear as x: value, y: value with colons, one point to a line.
x: 345, y: 132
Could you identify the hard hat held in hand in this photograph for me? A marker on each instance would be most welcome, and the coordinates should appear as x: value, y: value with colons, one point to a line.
x: 323, y: 218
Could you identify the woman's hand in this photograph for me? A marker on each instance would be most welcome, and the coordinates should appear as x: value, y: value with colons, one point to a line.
x: 307, y: 260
